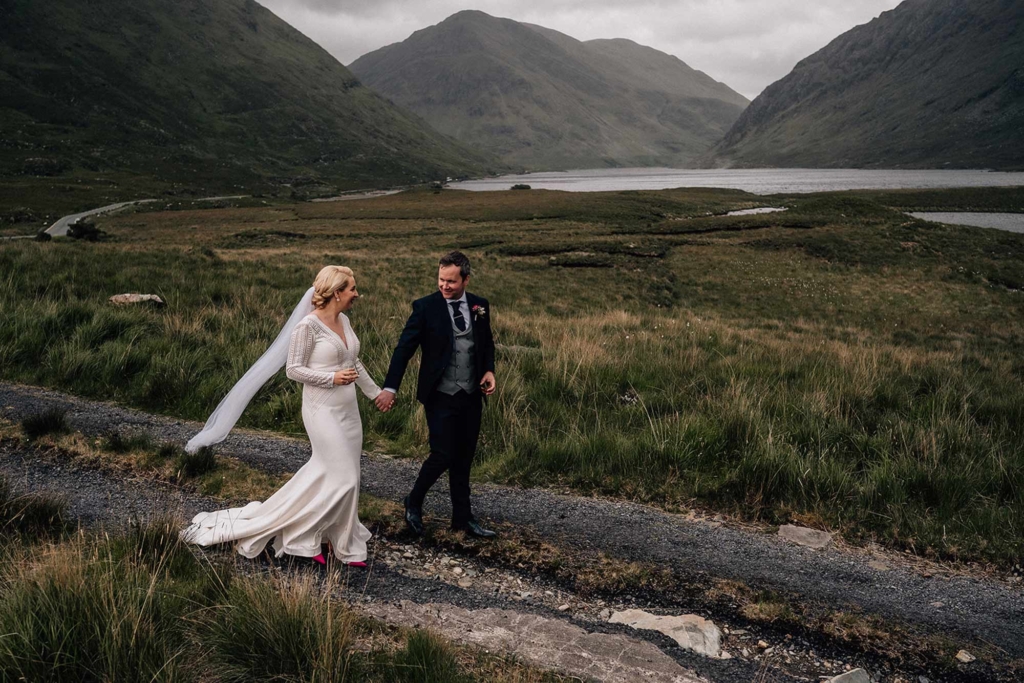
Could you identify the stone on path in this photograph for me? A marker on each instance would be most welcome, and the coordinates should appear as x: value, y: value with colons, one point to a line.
x: 127, y: 299
x: 855, y: 676
x: 547, y: 643
x: 965, y: 656
x: 811, y: 538
x: 690, y: 631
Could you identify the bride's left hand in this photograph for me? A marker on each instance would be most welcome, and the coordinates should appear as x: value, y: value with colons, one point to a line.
x: 346, y: 376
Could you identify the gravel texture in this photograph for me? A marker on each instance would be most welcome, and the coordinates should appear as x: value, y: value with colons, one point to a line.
x: 972, y: 606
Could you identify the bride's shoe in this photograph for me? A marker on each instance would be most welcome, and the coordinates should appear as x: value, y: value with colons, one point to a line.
x: 319, y: 559
x: 356, y: 564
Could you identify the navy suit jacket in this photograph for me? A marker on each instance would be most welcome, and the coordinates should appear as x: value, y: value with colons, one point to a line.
x: 429, y: 328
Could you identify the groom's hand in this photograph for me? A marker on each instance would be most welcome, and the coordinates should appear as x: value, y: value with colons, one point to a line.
x: 488, y: 384
x: 385, y: 401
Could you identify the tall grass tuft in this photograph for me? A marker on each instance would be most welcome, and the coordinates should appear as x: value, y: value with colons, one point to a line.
x: 69, y: 615
x: 120, y: 442
x: 281, y: 629
x: 32, y: 515
x: 191, y: 465
x: 52, y: 421
x: 426, y: 658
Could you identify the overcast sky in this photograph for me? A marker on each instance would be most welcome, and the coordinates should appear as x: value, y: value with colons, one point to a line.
x: 747, y: 44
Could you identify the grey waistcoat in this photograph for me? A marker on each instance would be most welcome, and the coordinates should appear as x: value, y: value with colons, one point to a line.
x: 461, y: 370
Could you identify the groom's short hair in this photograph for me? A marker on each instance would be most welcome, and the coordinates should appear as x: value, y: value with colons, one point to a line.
x: 456, y: 258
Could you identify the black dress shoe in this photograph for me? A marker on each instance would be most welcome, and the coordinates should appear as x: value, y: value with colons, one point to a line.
x: 473, y: 528
x: 413, y: 518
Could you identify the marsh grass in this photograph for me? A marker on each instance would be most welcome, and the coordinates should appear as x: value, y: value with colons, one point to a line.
x: 141, y: 605
x: 839, y: 362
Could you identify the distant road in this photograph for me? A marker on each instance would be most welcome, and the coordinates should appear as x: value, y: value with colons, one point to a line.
x: 60, y: 228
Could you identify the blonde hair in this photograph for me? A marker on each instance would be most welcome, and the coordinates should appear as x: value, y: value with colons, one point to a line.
x: 328, y: 281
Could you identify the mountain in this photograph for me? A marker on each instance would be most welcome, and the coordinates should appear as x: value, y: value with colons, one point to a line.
x: 543, y: 100
x: 215, y: 93
x: 929, y: 84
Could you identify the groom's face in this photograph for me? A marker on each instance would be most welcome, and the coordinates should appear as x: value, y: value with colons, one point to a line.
x: 450, y: 282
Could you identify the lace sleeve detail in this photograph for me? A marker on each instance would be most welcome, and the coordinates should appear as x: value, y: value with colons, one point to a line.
x: 365, y: 382
x: 297, y: 368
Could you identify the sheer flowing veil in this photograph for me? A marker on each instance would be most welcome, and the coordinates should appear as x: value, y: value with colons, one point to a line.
x: 231, y: 406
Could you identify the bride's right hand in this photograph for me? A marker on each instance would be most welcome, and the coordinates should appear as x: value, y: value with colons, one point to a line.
x: 346, y: 376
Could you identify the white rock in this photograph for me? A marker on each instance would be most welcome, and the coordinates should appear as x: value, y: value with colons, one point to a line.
x: 806, y: 537
x: 127, y: 299
x: 457, y: 571
x: 690, y: 631
x: 965, y: 656
x: 854, y: 676
x: 562, y: 608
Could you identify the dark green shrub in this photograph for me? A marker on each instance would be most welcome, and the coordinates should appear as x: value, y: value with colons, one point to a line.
x: 52, y: 421
x: 117, y: 442
x: 196, y: 464
x: 85, y: 229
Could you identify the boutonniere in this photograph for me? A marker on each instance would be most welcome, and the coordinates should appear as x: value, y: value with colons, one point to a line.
x: 479, y: 312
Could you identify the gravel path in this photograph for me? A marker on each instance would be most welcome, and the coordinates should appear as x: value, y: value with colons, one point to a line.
x: 535, y: 632
x: 971, y: 607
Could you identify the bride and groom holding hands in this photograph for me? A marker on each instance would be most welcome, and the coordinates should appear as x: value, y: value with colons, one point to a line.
x: 319, y: 348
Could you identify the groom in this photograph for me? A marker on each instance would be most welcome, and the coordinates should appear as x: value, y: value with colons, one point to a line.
x: 453, y: 329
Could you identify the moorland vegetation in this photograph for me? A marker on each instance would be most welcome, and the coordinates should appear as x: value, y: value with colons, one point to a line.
x: 839, y: 364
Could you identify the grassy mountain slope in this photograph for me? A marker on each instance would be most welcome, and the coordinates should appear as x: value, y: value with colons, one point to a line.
x: 209, y: 93
x: 932, y: 83
x: 540, y: 99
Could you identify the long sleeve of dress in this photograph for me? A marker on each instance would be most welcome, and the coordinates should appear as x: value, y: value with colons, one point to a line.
x: 365, y: 382
x: 299, y: 351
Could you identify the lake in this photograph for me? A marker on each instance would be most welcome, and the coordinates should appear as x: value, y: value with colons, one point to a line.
x: 1014, y: 222
x: 758, y: 181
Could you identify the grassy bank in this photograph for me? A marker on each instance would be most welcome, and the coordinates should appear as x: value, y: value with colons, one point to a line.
x: 839, y: 364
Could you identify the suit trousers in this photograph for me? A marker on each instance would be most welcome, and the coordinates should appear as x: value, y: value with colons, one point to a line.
x: 454, y: 425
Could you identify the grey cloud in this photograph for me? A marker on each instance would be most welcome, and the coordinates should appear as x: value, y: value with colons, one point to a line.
x: 746, y: 44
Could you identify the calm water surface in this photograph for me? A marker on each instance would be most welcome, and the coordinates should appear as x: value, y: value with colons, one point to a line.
x: 1014, y: 222
x: 758, y: 181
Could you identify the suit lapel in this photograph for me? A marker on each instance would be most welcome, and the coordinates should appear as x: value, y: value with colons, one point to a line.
x: 445, y: 316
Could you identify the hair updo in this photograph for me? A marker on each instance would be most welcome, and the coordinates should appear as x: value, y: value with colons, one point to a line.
x: 328, y: 281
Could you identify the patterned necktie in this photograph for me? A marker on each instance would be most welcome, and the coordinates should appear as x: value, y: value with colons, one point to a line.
x: 460, y: 321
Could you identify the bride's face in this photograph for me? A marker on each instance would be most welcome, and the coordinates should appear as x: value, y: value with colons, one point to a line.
x: 348, y: 296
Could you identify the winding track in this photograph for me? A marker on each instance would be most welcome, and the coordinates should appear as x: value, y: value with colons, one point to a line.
x: 972, y: 607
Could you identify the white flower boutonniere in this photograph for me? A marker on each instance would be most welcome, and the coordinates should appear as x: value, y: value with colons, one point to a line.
x: 479, y: 312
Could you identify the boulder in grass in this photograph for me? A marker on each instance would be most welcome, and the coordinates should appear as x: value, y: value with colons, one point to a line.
x: 806, y: 537
x: 129, y: 299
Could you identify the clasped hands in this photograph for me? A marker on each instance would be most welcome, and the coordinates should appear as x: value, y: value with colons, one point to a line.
x: 385, y: 400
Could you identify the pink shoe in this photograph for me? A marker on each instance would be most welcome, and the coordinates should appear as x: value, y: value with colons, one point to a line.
x: 319, y: 559
x: 356, y: 564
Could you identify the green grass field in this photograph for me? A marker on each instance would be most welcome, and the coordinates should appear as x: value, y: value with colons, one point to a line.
x: 839, y: 364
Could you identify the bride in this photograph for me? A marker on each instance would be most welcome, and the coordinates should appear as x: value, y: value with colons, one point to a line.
x: 320, y: 503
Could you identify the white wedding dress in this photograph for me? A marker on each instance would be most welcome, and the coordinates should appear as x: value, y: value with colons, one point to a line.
x: 321, y: 502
